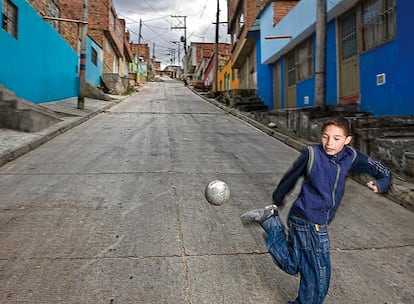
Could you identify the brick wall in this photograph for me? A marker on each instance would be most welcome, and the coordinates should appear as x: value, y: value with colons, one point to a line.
x: 281, y: 9
x: 70, y: 31
x: 140, y: 49
x: 99, y: 14
x: 39, y: 5
x: 250, y: 10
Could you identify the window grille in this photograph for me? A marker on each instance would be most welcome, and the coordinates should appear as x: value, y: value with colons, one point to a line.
x: 378, y: 22
x: 9, y: 18
x: 291, y: 69
x: 53, y: 11
x: 349, y: 36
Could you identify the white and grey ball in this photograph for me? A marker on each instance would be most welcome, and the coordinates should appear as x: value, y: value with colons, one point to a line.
x: 217, y: 192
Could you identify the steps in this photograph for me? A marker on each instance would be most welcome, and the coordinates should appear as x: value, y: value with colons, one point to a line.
x: 248, y: 104
x: 21, y: 115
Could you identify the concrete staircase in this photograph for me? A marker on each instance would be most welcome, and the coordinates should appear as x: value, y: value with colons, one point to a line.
x: 19, y: 114
x: 249, y: 104
x: 245, y: 100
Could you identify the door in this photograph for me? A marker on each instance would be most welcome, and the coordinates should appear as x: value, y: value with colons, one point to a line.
x: 348, y: 59
x: 277, y: 86
x: 290, y: 95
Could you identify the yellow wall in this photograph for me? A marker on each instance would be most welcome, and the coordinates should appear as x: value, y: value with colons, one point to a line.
x: 227, y: 73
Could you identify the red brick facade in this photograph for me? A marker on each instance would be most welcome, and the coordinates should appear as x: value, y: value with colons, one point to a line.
x: 281, y: 9
x: 141, y: 50
x: 242, y: 14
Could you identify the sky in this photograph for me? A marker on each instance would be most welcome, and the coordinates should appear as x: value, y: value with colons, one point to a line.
x: 157, y: 28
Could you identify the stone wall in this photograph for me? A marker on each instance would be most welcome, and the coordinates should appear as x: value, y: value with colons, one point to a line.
x: 115, y: 84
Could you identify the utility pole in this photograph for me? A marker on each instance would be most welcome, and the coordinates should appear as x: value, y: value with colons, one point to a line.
x: 216, y: 48
x: 82, y: 67
x: 320, y: 56
x: 183, y: 40
x: 139, y: 64
x: 179, y: 47
x: 139, y: 34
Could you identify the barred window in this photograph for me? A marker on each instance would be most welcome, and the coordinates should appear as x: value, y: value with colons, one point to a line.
x: 291, y: 68
x: 349, y: 36
x: 9, y: 18
x: 53, y: 11
x: 379, y: 23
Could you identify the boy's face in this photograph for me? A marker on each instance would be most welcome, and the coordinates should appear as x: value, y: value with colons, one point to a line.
x: 334, y: 139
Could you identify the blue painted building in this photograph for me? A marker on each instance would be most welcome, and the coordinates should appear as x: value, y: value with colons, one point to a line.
x: 36, y: 63
x: 368, y: 55
x: 94, y: 63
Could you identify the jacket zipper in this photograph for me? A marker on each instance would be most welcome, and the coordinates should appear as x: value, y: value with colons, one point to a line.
x: 338, y: 171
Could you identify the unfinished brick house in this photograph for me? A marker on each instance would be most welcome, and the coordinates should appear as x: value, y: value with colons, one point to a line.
x: 199, y: 54
x: 141, y: 68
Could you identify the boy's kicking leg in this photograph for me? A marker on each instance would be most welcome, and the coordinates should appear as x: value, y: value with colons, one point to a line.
x: 276, y: 242
x: 306, y: 251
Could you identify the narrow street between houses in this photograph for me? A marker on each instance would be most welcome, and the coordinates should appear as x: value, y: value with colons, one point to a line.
x: 113, y: 211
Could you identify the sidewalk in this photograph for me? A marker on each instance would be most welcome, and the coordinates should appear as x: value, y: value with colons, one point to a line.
x: 14, y: 144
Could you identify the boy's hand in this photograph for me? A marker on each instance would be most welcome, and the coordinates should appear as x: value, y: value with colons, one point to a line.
x: 371, y: 185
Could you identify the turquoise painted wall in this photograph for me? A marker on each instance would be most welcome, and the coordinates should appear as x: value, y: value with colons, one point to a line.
x: 94, y: 72
x: 39, y: 65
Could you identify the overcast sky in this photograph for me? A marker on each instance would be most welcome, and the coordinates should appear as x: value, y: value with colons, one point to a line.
x: 157, y: 23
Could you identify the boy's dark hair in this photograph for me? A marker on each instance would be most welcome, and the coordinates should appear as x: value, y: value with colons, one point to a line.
x: 338, y: 121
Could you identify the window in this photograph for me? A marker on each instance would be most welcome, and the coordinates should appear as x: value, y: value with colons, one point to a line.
x: 378, y: 22
x: 9, y: 22
x: 94, y: 57
x: 349, y: 36
x: 304, y: 64
x: 291, y: 68
x: 240, y: 24
x: 53, y: 11
x: 299, y: 63
x: 241, y: 20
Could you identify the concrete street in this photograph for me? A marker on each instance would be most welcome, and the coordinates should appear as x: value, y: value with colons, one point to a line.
x: 113, y: 211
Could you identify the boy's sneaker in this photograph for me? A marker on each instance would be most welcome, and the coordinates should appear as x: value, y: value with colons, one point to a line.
x: 259, y: 215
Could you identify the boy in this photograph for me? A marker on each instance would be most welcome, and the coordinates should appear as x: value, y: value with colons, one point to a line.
x: 324, y: 167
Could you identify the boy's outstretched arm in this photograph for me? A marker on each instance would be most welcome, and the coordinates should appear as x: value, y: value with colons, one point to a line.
x: 373, y: 167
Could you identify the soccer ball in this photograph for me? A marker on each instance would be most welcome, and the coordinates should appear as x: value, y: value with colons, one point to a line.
x: 217, y: 192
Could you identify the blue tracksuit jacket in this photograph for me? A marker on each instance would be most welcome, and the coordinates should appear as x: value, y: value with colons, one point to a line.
x: 324, y: 181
